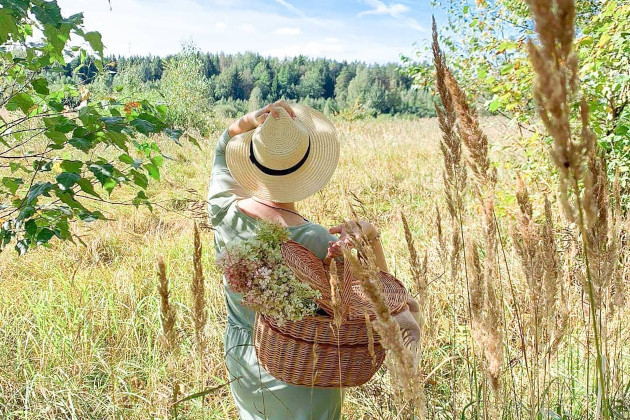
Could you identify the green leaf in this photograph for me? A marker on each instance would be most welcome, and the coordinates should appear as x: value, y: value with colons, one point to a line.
x: 118, y: 139
x: 12, y: 183
x: 193, y: 141
x: 141, y: 198
x: 68, y: 198
x: 153, y: 171
x: 7, y: 25
x: 114, y: 123
x: 86, y: 186
x: 125, y: 158
x: 67, y: 180
x: 102, y: 172
x: 173, y: 134
x: 30, y: 227
x: 41, y: 86
x: 95, y: 40
x: 621, y: 130
x: 157, y: 160
x: 39, y: 188
x: 82, y: 144
x: 73, y: 166
x: 143, y: 126
x: 91, y: 216
x: 21, y: 101
x: 140, y: 179
x: 494, y: 105
x: 44, y: 236
x: 43, y: 165
x: 57, y: 137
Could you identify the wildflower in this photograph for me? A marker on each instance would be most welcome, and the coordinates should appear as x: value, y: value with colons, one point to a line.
x: 255, y: 268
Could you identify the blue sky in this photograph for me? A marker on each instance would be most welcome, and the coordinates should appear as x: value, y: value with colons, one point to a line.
x: 366, y: 30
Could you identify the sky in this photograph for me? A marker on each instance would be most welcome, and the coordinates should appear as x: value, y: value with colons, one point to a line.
x: 374, y: 31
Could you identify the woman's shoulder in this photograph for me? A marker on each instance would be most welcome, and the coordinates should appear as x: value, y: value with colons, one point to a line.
x: 313, y: 236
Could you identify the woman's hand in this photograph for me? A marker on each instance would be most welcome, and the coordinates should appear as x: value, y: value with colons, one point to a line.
x: 345, y: 239
x: 253, y: 119
x: 367, y: 228
x: 335, y: 248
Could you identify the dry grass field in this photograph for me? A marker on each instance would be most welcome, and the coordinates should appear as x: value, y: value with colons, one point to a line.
x: 80, y: 329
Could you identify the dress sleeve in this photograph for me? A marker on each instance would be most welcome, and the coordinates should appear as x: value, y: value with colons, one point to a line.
x: 316, y: 239
x: 223, y: 189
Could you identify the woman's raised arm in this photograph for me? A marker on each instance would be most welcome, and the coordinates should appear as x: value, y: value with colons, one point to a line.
x: 253, y: 119
x: 223, y: 189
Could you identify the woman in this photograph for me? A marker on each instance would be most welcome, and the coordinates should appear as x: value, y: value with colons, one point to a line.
x: 264, y: 163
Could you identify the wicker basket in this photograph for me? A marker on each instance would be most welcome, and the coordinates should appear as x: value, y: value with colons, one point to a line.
x: 314, y: 352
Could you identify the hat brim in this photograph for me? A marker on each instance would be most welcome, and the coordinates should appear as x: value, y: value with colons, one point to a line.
x: 311, y: 177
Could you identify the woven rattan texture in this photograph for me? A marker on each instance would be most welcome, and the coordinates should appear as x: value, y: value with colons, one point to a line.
x: 313, y: 351
x: 302, y: 363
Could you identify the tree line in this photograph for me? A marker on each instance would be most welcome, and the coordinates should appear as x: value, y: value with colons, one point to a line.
x: 246, y: 80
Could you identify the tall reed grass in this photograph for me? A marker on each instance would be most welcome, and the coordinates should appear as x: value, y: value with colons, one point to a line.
x: 523, y: 293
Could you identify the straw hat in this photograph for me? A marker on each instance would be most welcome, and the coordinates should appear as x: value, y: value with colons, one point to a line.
x: 285, y: 159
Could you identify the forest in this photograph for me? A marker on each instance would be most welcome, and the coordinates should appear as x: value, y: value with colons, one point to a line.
x: 234, y: 83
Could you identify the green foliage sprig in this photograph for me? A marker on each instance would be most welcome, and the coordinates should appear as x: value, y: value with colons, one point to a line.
x: 487, y: 44
x: 59, y: 148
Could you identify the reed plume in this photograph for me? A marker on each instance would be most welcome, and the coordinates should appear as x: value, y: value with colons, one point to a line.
x: 418, y: 270
x: 167, y: 312
x: 486, y: 307
x: 535, y: 246
x: 620, y: 231
x: 454, y: 174
x: 335, y: 293
x: 403, y: 366
x: 579, y: 160
x: 370, y: 334
x: 200, y: 314
x: 545, y: 303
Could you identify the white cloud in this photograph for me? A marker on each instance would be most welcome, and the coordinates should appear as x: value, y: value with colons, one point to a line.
x: 247, y: 28
x: 220, y: 26
x: 396, y: 10
x: 380, y: 8
x: 287, y: 30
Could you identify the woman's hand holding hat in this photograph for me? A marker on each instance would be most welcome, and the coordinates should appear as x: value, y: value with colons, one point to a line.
x: 285, y: 158
x: 253, y: 119
x: 261, y: 115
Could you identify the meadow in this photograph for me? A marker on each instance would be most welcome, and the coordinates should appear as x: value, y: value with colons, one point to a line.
x: 80, y: 328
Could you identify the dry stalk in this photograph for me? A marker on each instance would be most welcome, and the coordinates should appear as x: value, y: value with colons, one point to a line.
x: 200, y: 314
x: 315, y: 355
x: 418, y: 268
x: 577, y: 157
x: 167, y: 312
x: 370, y: 334
x: 403, y: 366
x: 335, y: 294
x: 487, y: 313
x: 454, y: 174
x: 441, y: 239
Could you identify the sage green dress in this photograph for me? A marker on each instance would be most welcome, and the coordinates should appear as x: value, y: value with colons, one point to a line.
x: 257, y: 394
